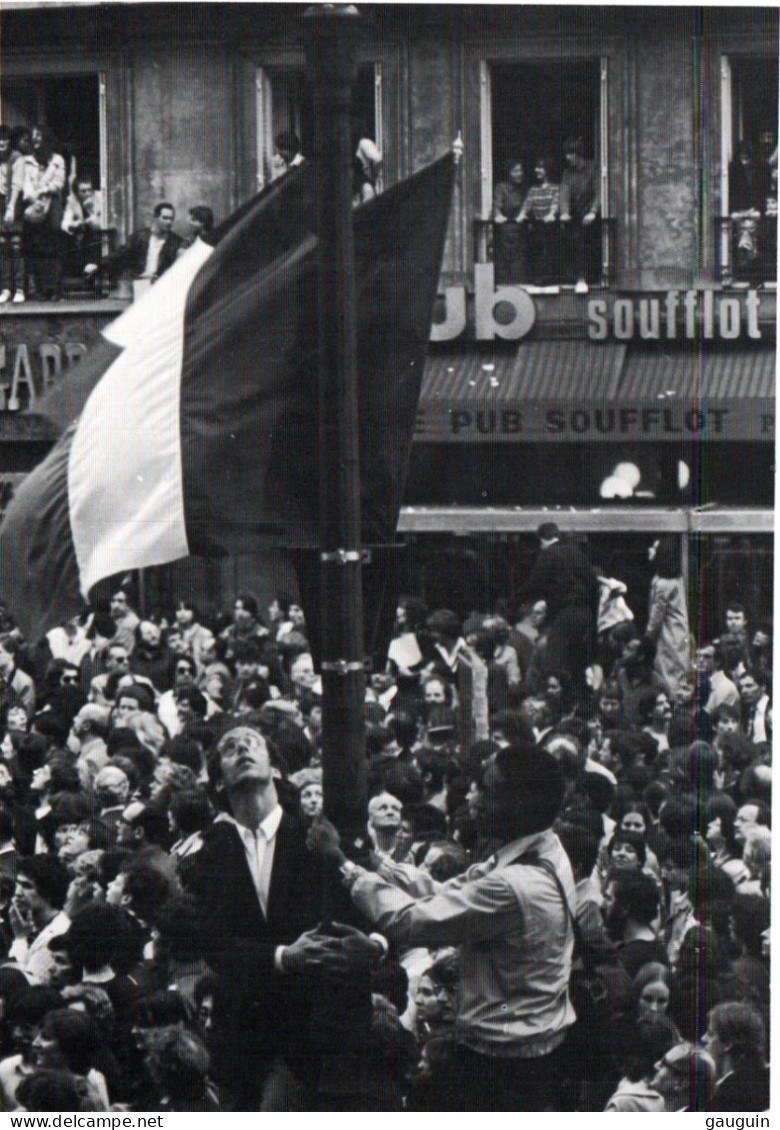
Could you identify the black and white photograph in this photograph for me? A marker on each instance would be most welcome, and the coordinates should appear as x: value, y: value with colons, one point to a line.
x: 387, y: 510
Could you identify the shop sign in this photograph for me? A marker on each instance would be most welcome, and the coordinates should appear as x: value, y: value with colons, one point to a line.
x: 509, y: 313
x: 553, y: 421
x: 677, y: 315
x: 26, y: 371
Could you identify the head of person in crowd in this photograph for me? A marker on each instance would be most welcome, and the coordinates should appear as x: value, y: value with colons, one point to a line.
x: 112, y: 788
x: 9, y: 650
x: 130, y: 700
x: 149, y: 639
x: 189, y: 812
x: 644, y: 1045
x: 201, y: 221
x: 579, y: 829
x: 385, y: 819
x: 92, y: 938
x: 5, y: 142
x: 144, y: 824
x: 241, y: 763
x: 736, y: 619
x: 288, y: 146
x: 121, y: 603
x: 179, y: 930
x: 548, y: 534
x: 141, y: 889
x: 443, y: 859
x: 735, y: 1038
x: 629, y: 901
x: 178, y: 1064
x: 522, y: 793
x: 44, y: 143
x: 69, y: 812
x: 67, y: 1040
x: 444, y: 627
x: 41, y: 888
x: 48, y: 1089
x: 685, y: 1077
x: 651, y: 991
x: 721, y: 839
x: 627, y: 852
x: 436, y: 991
x: 88, y: 997
x: 757, y: 852
x: 749, y: 918
x: 91, y: 722
x: 164, y: 215
x: 203, y: 997
x: 308, y: 782
x: 751, y: 812
x: 574, y: 152
x: 20, y: 139
x: 751, y: 690
x: 245, y: 612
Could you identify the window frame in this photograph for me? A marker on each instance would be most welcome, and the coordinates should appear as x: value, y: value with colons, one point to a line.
x: 34, y: 69
x: 486, y: 125
x: 264, y: 110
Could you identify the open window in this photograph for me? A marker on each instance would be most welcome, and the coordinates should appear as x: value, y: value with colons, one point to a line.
x: 284, y: 103
x: 748, y: 169
x: 531, y: 111
x: 73, y: 107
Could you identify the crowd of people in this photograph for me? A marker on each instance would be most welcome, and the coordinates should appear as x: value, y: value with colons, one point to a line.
x: 559, y: 900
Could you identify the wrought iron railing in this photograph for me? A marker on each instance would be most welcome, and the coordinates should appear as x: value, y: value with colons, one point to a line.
x: 548, y: 254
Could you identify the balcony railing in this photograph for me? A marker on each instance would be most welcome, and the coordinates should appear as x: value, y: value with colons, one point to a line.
x: 747, y: 249
x: 548, y: 256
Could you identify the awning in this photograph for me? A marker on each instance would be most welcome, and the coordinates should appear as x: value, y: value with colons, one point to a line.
x: 570, y: 391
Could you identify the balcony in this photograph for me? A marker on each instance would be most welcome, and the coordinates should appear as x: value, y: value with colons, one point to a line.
x: 747, y: 250
x: 548, y: 257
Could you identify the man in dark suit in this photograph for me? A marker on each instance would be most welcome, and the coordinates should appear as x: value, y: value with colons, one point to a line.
x: 260, y: 895
x: 562, y: 576
x: 151, y: 251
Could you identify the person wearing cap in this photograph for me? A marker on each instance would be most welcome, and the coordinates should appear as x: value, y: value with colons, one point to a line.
x: 511, y: 915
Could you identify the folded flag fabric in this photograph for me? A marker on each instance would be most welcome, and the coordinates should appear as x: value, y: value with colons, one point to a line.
x: 192, y: 428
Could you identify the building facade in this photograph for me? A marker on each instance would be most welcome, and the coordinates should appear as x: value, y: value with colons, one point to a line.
x: 614, y: 371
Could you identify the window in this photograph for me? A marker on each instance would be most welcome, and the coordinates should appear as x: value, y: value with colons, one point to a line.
x: 70, y: 105
x: 748, y: 190
x: 73, y: 107
x: 283, y: 103
x: 530, y: 113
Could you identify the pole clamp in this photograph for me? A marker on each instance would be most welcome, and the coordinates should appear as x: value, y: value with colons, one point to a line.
x: 342, y: 666
x: 341, y: 556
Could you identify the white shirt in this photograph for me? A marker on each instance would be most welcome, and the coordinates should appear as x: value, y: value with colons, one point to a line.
x: 259, y: 847
x: 34, y: 957
x: 153, y: 255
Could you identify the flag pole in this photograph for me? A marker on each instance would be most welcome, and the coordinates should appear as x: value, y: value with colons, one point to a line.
x: 330, y: 37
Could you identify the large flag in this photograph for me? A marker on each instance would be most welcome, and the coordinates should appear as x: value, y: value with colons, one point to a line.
x: 192, y: 428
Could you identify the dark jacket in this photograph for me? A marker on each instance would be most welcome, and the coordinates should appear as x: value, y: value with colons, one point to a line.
x: 562, y: 576
x: 260, y: 1013
x: 134, y: 254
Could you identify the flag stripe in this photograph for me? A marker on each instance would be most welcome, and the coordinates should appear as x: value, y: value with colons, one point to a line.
x: 199, y: 428
x: 125, y: 468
